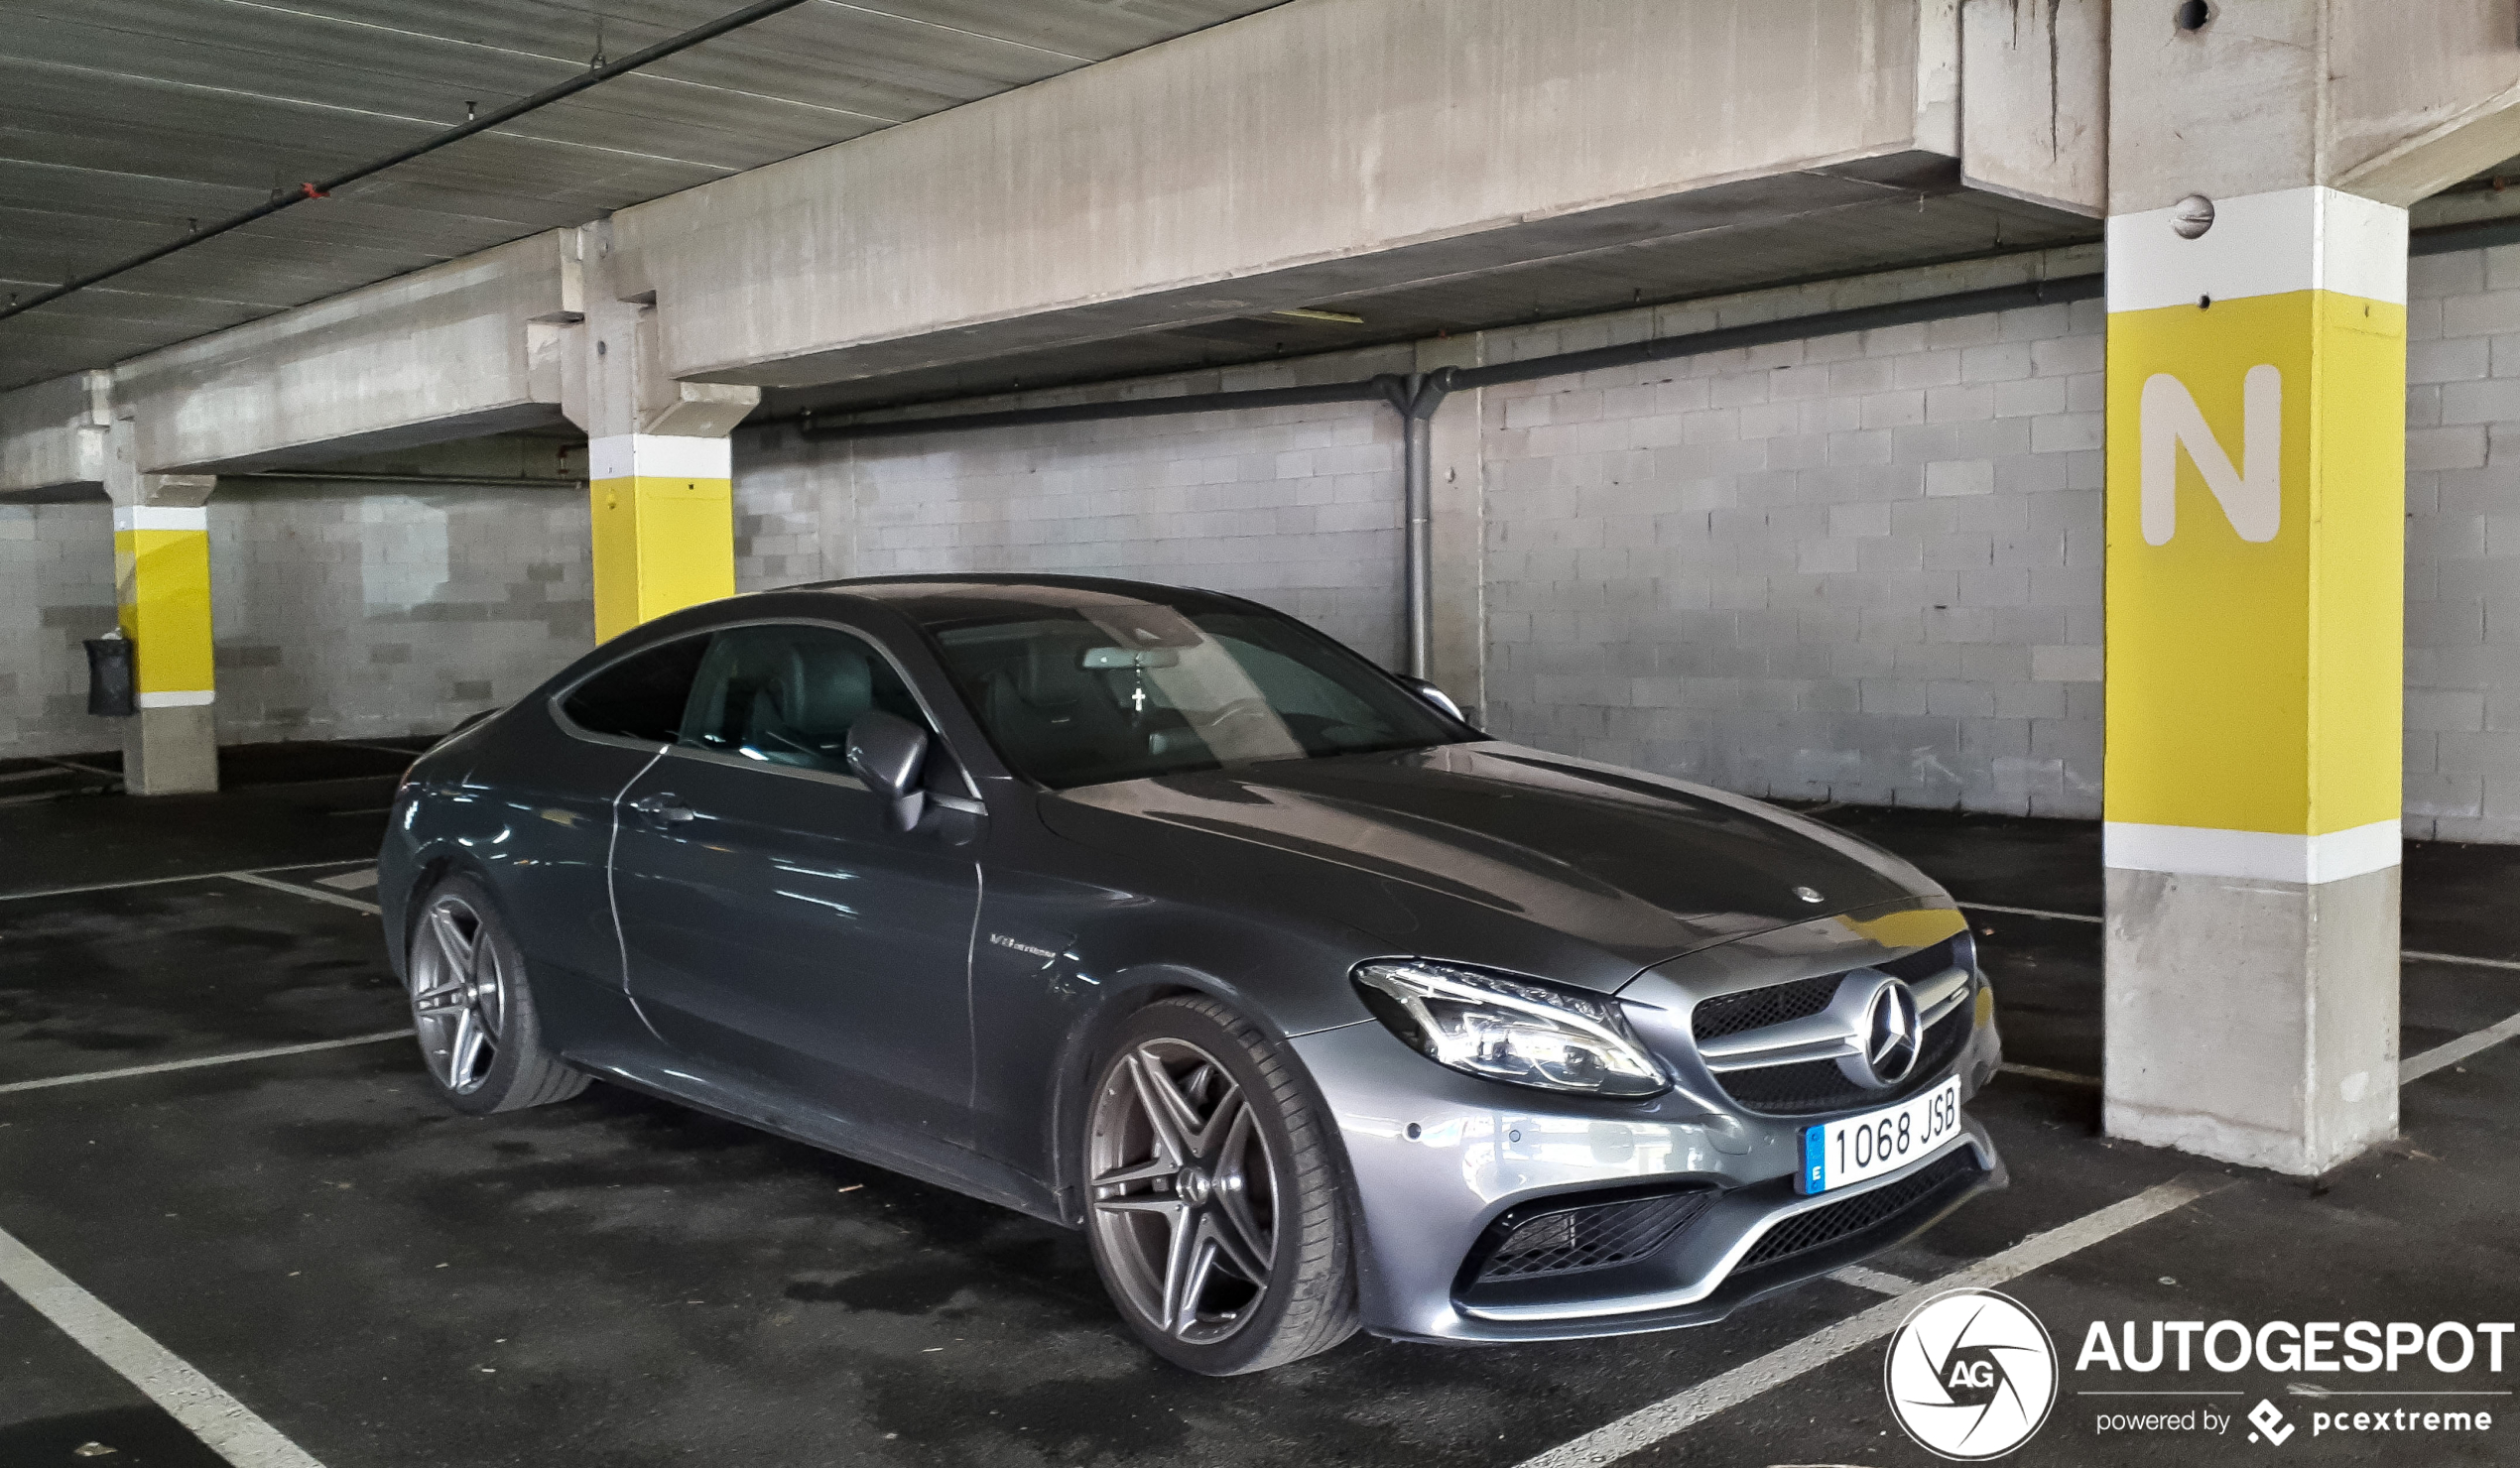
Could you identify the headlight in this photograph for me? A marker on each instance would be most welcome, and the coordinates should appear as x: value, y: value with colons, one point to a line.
x: 1509, y: 1029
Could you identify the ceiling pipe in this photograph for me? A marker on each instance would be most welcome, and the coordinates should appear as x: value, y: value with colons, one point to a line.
x: 324, y: 188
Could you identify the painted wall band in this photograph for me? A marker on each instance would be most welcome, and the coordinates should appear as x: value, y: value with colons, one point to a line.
x: 2257, y: 856
x: 2262, y: 244
x: 659, y: 544
x: 651, y: 455
x: 162, y: 587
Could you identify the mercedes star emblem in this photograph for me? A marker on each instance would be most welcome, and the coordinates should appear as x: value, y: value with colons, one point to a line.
x: 1893, y: 1034
x: 1809, y: 894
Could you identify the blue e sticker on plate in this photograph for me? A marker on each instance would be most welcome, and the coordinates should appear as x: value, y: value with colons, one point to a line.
x: 1815, y: 1156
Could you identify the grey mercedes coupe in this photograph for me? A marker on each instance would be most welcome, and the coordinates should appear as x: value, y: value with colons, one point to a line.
x: 1159, y: 913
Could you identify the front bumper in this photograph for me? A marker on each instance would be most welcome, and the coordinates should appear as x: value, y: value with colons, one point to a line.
x: 1435, y: 1157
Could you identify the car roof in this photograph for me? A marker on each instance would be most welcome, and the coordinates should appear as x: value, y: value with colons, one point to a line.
x: 949, y: 599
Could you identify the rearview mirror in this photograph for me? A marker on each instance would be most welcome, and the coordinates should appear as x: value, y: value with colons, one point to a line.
x: 1138, y: 657
x: 888, y: 751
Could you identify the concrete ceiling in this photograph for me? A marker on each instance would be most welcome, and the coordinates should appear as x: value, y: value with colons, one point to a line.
x: 121, y: 120
x: 1734, y: 237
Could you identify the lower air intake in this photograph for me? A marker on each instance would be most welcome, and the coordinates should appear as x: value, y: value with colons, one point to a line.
x: 1563, y: 1239
x: 1826, y: 1225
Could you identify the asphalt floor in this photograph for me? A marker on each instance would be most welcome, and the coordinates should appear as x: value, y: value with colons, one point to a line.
x: 617, y: 1280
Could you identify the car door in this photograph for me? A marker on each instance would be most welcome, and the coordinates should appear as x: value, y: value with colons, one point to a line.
x: 544, y: 797
x: 774, y: 926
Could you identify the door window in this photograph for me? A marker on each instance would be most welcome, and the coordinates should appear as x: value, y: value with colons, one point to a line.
x: 642, y: 696
x: 787, y: 695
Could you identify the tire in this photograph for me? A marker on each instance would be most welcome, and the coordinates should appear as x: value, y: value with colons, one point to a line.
x: 473, y: 1013
x: 1241, y: 1163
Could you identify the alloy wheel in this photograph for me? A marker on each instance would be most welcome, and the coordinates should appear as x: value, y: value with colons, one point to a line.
x: 1184, y: 1192
x: 458, y: 992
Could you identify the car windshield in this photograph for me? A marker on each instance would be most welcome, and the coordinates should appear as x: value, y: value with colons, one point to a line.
x: 1105, y: 687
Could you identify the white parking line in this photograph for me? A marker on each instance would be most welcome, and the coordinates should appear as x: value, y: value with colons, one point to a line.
x: 2029, y: 911
x: 227, y: 1426
x: 1674, y: 1414
x: 2462, y: 959
x: 294, y: 890
x: 2458, y: 1049
x: 358, y: 881
x: 10, y: 897
x: 1879, y: 1281
x: 228, y: 1059
x: 2042, y: 1072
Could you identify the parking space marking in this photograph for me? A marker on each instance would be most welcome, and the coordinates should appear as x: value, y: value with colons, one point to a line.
x: 228, y: 1427
x: 2458, y: 1049
x: 1879, y: 1281
x: 1674, y: 1414
x: 358, y: 881
x: 311, y: 894
x: 2030, y: 911
x: 2462, y: 959
x: 227, y: 1059
x: 8, y: 897
x: 2042, y: 1072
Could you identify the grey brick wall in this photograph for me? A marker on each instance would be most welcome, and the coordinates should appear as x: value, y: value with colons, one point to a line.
x: 56, y: 566
x: 1860, y: 567
x: 2462, y: 552
x: 342, y: 612
x: 1295, y: 507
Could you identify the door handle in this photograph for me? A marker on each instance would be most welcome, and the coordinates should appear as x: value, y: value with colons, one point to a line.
x: 665, y: 806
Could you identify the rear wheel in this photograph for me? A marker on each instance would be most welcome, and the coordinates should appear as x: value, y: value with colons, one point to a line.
x: 1210, y: 1197
x: 471, y: 1009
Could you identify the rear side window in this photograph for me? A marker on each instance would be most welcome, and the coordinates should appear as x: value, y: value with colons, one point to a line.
x: 642, y: 696
x: 787, y: 695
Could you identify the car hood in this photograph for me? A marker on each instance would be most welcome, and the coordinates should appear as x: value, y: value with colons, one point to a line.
x: 1447, y: 851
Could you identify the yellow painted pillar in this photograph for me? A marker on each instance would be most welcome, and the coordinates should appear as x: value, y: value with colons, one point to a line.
x: 2255, y: 505
x: 664, y: 526
x: 162, y: 587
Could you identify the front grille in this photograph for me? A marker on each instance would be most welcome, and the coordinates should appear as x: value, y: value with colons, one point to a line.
x: 1815, y: 1087
x: 1805, y: 1232
x: 1756, y: 1009
x: 1587, y: 1236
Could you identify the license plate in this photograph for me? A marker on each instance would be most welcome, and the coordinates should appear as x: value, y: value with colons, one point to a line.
x: 1836, y: 1153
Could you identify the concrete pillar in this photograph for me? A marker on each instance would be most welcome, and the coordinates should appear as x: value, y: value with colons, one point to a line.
x: 2255, y: 506
x: 660, y: 467
x: 1457, y: 641
x: 162, y: 590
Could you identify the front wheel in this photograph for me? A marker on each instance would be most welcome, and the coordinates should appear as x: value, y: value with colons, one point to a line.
x: 1211, y: 1196
x: 471, y: 1010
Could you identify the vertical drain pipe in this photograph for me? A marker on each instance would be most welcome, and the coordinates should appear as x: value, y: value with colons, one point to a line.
x: 1417, y: 397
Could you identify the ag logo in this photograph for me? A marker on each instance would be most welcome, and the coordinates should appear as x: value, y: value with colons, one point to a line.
x: 1971, y: 1375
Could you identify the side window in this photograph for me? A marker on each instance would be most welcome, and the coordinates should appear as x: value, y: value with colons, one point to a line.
x: 642, y: 696
x: 787, y: 695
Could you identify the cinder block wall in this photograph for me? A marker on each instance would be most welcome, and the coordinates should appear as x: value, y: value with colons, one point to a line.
x: 1295, y: 507
x: 2463, y: 546
x: 1859, y: 568
x: 338, y: 611
x: 57, y: 563
x: 344, y: 612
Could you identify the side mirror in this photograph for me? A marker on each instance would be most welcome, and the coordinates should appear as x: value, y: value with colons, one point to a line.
x: 888, y: 751
x: 1433, y: 694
